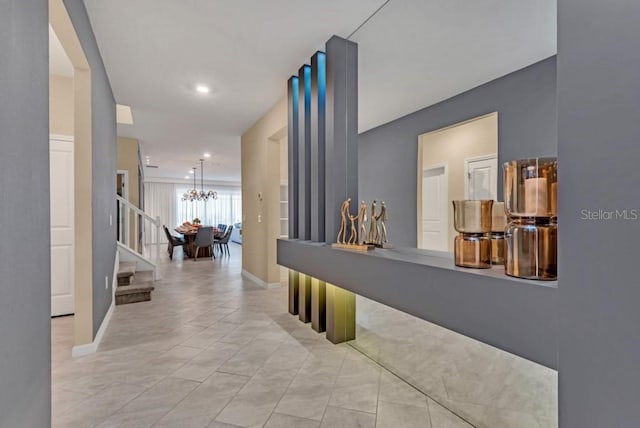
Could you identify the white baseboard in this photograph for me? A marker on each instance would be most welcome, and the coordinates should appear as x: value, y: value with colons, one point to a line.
x: 259, y: 281
x: 90, y: 348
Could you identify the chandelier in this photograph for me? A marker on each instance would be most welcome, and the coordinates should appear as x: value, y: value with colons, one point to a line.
x: 195, y: 195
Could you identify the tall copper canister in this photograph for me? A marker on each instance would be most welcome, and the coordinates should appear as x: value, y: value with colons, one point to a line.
x: 498, y: 242
x: 530, y: 195
x: 472, y: 246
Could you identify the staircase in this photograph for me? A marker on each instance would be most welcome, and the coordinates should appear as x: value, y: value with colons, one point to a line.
x: 133, y: 287
x: 136, y: 273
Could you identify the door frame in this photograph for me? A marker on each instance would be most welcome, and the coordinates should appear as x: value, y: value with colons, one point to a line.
x: 467, y: 161
x: 421, y: 174
x: 121, y: 219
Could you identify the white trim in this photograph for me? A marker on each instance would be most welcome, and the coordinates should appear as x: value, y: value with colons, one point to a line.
x: 59, y: 137
x: 467, y: 161
x: 259, y: 281
x: 444, y: 166
x: 228, y: 185
x: 91, y: 348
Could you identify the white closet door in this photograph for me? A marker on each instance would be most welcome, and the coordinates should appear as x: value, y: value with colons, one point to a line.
x: 434, y: 209
x: 62, y: 206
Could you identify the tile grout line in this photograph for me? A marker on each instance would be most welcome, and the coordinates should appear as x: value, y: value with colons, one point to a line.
x: 412, y: 386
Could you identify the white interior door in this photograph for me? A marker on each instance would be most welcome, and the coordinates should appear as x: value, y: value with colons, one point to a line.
x: 62, y: 205
x: 482, y: 178
x: 435, y: 201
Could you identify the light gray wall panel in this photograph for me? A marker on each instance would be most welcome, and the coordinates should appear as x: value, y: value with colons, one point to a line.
x: 599, y: 152
x: 527, y: 127
x: 25, y: 290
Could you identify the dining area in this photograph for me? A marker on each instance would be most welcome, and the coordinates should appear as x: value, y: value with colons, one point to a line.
x: 199, y: 241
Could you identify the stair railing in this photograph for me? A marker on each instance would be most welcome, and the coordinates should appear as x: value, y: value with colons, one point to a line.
x: 135, y: 227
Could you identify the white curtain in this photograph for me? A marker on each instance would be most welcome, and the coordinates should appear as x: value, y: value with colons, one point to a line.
x: 160, y: 201
x: 226, y: 209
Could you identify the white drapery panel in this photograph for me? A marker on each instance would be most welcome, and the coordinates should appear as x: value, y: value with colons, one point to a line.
x: 227, y: 209
x: 160, y: 201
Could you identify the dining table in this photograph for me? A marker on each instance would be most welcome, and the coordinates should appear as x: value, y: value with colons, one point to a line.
x: 189, y: 232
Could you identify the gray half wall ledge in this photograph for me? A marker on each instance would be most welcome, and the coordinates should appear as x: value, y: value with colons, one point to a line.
x: 515, y: 315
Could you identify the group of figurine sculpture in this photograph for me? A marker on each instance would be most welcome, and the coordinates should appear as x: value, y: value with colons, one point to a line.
x: 377, y: 234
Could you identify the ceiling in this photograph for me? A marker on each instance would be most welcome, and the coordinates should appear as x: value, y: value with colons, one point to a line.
x: 412, y: 53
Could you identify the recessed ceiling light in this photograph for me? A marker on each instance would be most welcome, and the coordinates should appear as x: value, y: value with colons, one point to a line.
x: 207, y: 155
x: 202, y: 89
x: 186, y: 176
x: 190, y: 171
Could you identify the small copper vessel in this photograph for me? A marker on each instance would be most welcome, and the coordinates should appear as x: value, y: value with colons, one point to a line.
x: 472, y: 216
x: 532, y: 249
x: 498, y: 224
x: 531, y: 188
x: 472, y: 250
x: 472, y: 247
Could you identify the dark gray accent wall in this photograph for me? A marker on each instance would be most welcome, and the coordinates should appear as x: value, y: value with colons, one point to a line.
x: 341, y: 178
x: 317, y: 122
x: 104, y: 145
x: 527, y: 127
x: 292, y: 154
x: 599, y: 152
x: 25, y: 290
x: 304, y: 154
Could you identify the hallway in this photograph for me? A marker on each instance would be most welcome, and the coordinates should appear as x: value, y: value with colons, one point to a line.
x: 214, y: 349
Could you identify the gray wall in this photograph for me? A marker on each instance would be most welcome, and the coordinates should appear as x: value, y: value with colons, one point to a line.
x: 25, y: 296
x: 104, y: 147
x: 527, y: 127
x: 599, y: 151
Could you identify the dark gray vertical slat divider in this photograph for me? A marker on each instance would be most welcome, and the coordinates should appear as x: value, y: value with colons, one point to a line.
x: 304, y: 152
x: 318, y: 108
x: 292, y: 130
x: 341, y: 178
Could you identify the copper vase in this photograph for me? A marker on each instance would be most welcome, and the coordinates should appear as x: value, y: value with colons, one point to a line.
x: 532, y: 250
x: 472, y: 247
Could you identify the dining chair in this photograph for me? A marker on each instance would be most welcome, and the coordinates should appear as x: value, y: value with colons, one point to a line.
x: 223, y: 242
x: 173, y: 241
x: 204, y: 238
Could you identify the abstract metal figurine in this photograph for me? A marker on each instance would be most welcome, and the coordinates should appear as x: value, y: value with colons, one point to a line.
x: 382, y: 229
x: 362, y: 223
x: 373, y: 228
x: 344, y: 214
x: 353, y: 237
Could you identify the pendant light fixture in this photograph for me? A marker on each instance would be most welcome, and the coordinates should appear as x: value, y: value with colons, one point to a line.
x: 193, y: 194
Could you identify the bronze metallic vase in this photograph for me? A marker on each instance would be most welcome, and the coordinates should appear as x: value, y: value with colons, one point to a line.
x: 472, y: 247
x: 498, y: 225
x: 530, y: 194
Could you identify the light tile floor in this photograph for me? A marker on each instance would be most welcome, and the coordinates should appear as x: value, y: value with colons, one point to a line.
x: 213, y: 349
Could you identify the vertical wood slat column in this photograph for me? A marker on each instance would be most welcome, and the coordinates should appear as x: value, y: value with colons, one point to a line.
x: 318, y: 117
x: 304, y: 183
x: 318, y: 305
x: 292, y: 130
x: 304, y: 298
x: 341, y: 314
x: 304, y: 152
x: 341, y: 180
